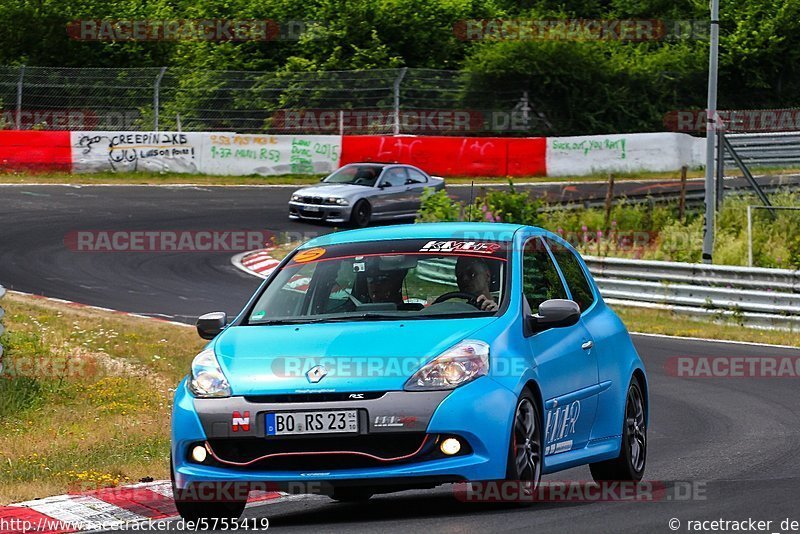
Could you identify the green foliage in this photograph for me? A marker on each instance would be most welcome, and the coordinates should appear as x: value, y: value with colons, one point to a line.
x: 438, y: 207
x: 577, y: 86
x: 508, y: 206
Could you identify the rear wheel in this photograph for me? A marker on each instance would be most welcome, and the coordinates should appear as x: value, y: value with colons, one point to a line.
x: 191, y: 507
x: 525, y: 449
x: 361, y: 214
x: 630, y: 463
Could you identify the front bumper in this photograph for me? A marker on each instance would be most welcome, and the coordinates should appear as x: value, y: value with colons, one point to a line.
x: 319, y: 212
x: 479, y: 413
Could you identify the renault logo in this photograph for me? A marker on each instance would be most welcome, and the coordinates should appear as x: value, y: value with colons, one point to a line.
x: 316, y: 373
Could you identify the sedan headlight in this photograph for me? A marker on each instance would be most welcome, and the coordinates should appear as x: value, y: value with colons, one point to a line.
x: 295, y: 198
x: 207, y: 378
x: 456, y: 366
x: 336, y: 201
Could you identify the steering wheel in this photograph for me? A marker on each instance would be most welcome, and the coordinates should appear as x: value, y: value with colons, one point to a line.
x: 471, y: 298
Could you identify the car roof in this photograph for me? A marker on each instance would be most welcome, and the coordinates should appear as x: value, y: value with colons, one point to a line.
x: 452, y: 230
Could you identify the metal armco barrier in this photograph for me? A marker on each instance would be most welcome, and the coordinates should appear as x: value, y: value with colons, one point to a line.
x: 778, y: 149
x: 766, y: 298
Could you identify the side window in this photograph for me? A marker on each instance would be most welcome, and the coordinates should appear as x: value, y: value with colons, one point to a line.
x: 416, y: 177
x: 540, y: 280
x: 573, y: 274
x: 395, y: 177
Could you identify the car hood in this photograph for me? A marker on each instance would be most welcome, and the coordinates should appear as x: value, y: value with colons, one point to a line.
x: 332, y: 190
x: 359, y: 356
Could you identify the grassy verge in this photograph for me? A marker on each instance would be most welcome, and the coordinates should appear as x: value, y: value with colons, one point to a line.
x: 668, y: 323
x: 152, y: 178
x: 85, y: 397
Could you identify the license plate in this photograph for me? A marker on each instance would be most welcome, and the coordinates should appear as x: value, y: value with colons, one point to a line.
x: 311, y: 208
x: 294, y: 423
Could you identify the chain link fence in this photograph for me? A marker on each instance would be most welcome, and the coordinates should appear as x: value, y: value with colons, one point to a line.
x: 385, y: 101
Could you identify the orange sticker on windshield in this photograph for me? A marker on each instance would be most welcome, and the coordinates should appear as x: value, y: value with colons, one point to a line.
x: 309, y: 255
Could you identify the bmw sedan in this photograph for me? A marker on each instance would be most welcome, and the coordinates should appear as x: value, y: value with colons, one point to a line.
x: 359, y: 193
x: 399, y: 357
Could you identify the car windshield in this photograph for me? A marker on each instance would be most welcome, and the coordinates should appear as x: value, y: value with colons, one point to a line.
x: 386, y: 280
x: 365, y: 175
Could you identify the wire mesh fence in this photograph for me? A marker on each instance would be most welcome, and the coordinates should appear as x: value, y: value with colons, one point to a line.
x: 382, y: 101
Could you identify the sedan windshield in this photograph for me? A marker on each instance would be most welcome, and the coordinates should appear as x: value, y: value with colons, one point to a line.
x: 387, y: 280
x: 365, y: 175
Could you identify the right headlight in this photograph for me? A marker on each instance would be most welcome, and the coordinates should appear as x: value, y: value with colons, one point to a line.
x: 295, y: 198
x: 456, y: 366
x: 207, y: 378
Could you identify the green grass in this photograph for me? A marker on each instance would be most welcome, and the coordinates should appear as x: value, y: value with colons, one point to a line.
x: 668, y: 323
x: 85, y: 397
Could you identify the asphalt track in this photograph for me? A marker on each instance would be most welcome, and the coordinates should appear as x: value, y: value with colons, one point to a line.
x: 733, y: 441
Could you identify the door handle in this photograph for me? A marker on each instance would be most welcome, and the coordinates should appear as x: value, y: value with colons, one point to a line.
x: 587, y: 345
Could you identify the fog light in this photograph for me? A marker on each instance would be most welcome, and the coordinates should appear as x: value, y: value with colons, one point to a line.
x: 450, y: 446
x: 199, y: 454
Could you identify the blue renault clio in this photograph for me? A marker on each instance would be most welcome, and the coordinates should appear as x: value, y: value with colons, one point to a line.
x: 401, y: 357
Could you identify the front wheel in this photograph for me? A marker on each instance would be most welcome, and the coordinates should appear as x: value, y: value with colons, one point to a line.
x: 361, y: 215
x: 630, y: 463
x: 525, y: 451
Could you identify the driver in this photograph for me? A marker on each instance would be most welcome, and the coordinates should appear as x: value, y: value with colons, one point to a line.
x: 473, y: 276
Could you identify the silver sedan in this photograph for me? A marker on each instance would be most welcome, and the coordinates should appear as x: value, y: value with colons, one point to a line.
x: 362, y: 192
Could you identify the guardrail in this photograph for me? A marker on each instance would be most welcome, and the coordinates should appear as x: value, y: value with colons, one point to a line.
x: 775, y: 149
x: 758, y: 297
x: 694, y: 197
x: 766, y: 298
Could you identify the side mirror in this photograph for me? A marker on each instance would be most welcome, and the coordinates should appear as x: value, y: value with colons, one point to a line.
x: 211, y: 324
x: 555, y: 313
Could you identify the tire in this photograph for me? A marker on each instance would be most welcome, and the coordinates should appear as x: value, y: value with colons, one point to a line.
x: 194, y: 510
x: 351, y: 494
x: 632, y: 459
x: 361, y: 214
x: 525, y: 458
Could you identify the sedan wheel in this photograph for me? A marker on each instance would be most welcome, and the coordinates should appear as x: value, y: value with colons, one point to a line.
x: 361, y: 215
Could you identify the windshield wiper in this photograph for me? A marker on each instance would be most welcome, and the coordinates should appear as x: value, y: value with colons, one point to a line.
x: 338, y: 318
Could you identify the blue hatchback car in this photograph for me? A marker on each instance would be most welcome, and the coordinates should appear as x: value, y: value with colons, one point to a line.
x: 409, y: 356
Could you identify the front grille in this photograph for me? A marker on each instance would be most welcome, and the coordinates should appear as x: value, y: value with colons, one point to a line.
x: 313, y: 397
x: 384, y: 446
x: 311, y: 200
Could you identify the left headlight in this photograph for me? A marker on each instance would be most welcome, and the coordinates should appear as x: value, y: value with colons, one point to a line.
x: 456, y: 366
x: 296, y: 198
x: 207, y: 378
x: 336, y: 201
